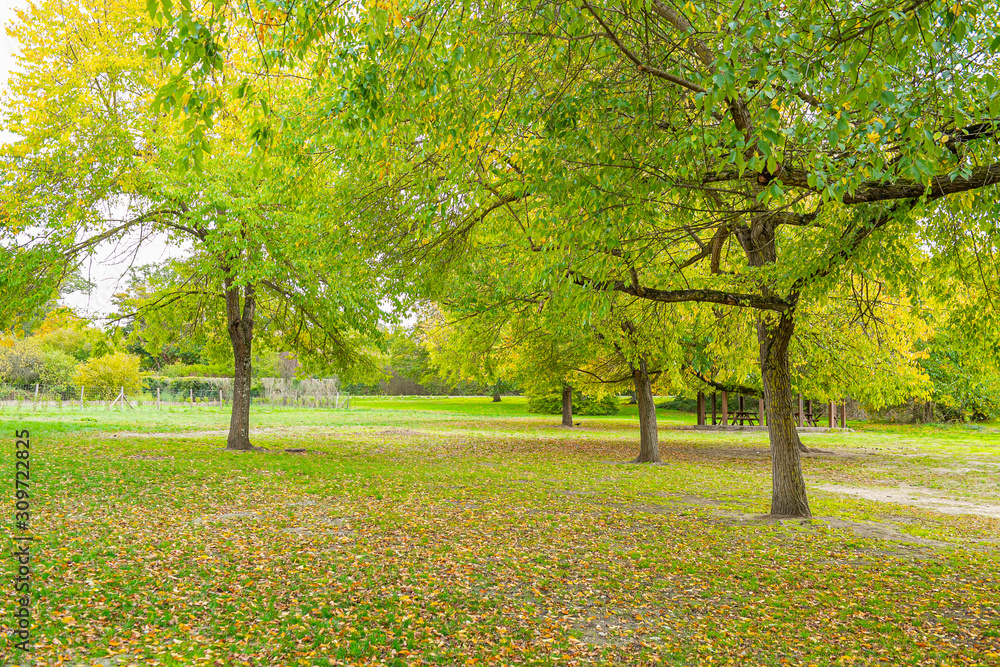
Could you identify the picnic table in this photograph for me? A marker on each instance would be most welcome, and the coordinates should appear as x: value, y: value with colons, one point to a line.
x: 743, y: 417
x: 809, y: 417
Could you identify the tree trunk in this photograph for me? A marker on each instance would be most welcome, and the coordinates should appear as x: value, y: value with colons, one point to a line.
x: 241, y: 336
x: 788, y: 488
x: 496, y: 396
x: 567, y: 405
x: 774, y: 333
x: 649, y: 439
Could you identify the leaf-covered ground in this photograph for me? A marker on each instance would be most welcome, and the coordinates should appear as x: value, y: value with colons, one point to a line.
x: 456, y: 532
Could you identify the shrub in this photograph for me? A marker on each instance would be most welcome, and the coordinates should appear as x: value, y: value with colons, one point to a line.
x: 57, y: 367
x: 681, y: 404
x: 21, y: 361
x: 551, y: 404
x: 106, y: 375
x: 179, y: 370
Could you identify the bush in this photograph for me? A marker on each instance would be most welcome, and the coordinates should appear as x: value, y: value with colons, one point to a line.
x: 57, y: 367
x: 108, y: 374
x: 551, y: 404
x: 680, y: 404
x: 179, y: 370
x: 21, y: 361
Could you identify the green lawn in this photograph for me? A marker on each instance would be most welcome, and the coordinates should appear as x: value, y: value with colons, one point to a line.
x: 456, y: 531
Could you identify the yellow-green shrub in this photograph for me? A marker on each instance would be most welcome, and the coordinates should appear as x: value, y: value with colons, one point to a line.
x: 106, y: 375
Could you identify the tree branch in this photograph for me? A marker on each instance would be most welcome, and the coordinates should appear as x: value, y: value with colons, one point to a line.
x: 873, y: 191
x: 679, y: 296
x: 729, y: 388
x: 855, y: 235
x: 666, y: 76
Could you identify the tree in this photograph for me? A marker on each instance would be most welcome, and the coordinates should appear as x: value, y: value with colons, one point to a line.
x: 864, y: 343
x: 749, y: 158
x: 64, y: 330
x: 97, y: 164
x: 508, y: 340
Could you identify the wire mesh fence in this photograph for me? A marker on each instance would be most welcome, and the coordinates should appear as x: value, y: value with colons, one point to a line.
x: 179, y: 393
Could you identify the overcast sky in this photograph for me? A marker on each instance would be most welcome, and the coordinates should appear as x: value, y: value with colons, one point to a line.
x: 107, y: 267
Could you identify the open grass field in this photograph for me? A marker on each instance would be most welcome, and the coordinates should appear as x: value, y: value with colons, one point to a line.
x: 460, y: 532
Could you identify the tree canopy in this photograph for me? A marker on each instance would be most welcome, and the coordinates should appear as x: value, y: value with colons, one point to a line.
x: 798, y: 173
x: 96, y: 164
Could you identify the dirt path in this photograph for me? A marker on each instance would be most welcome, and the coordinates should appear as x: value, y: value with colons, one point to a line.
x: 915, y: 496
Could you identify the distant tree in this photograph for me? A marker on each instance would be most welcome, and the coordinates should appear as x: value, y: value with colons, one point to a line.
x: 64, y: 330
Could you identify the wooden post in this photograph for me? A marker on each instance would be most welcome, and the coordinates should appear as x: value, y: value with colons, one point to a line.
x: 159, y: 406
x: 760, y: 411
x: 831, y: 418
x: 799, y: 419
x: 713, y: 408
x: 701, y: 408
x: 725, y: 408
x: 81, y: 398
x: 36, y: 397
x: 843, y: 414
x: 191, y: 390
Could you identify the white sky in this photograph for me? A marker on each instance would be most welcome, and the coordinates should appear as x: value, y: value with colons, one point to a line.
x: 107, y: 268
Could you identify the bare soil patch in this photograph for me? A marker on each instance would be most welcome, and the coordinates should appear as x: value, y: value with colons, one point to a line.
x: 915, y: 496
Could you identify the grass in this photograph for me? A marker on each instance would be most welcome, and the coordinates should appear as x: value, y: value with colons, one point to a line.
x: 459, y: 531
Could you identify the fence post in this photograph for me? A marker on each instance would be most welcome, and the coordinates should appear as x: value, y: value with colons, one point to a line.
x: 81, y: 397
x: 36, y: 397
x: 191, y: 389
x: 220, y: 398
x: 158, y: 406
